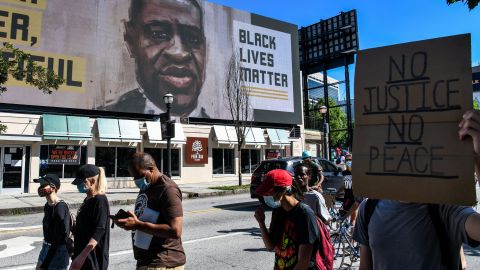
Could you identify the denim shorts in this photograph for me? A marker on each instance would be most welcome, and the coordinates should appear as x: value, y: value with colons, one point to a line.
x: 60, y: 260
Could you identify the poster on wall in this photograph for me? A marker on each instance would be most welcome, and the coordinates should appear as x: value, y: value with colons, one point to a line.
x: 64, y: 154
x: 196, y: 150
x: 116, y: 57
x: 410, y: 99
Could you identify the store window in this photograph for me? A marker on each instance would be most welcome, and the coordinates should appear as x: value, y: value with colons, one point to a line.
x: 160, y: 155
x: 275, y: 153
x: 250, y: 160
x: 114, y: 160
x: 223, y: 161
x: 62, y: 170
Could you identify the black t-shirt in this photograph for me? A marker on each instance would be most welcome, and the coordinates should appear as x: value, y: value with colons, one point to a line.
x: 56, y: 227
x: 93, y: 222
x: 298, y: 227
x: 347, y: 180
x: 159, y: 204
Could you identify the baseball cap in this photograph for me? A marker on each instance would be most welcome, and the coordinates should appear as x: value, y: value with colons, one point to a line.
x: 48, y: 179
x: 274, y: 178
x: 85, y: 171
x: 306, y: 154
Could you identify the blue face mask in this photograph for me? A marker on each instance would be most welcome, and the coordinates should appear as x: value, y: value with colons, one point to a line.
x: 81, y: 188
x: 349, y: 164
x: 270, y: 201
x: 141, y: 183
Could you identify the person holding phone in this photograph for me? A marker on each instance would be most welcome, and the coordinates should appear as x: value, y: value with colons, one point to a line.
x: 157, y: 222
x: 92, y: 230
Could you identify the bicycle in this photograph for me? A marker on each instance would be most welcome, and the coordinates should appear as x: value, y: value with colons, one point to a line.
x: 341, y: 233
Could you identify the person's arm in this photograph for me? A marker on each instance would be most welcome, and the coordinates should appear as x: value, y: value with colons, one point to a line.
x: 260, y: 217
x: 174, y: 211
x: 472, y: 226
x: 80, y: 259
x: 171, y: 230
x: 470, y: 127
x: 366, y: 262
x: 304, y: 256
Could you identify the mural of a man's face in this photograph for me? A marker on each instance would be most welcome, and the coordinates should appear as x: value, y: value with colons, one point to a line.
x: 167, y: 40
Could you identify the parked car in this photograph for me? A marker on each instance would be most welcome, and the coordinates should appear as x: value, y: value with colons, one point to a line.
x: 265, y: 166
x: 333, y: 174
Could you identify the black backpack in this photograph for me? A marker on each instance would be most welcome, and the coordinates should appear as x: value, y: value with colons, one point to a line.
x: 434, y: 213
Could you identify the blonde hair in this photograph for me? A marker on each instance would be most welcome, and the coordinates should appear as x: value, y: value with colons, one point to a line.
x: 101, y: 182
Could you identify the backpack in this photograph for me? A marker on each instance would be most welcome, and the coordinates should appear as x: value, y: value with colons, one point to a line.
x: 325, y: 252
x: 434, y: 213
x: 73, y: 223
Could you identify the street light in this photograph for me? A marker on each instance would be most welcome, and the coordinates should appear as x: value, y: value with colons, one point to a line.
x: 168, y: 99
x: 323, y: 111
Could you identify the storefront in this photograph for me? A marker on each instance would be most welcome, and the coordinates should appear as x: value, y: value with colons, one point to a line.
x: 35, y: 145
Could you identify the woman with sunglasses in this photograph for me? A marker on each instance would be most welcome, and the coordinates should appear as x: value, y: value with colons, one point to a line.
x: 56, y: 226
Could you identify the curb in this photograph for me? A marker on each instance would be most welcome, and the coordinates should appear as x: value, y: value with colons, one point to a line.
x: 185, y: 195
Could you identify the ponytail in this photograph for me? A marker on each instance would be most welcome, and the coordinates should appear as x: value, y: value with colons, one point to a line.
x: 101, y: 184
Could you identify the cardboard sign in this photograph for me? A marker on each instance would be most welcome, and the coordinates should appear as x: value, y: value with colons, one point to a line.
x: 410, y: 99
x: 197, y: 151
x: 64, y: 154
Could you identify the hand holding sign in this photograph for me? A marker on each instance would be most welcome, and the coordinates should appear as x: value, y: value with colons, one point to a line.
x: 410, y: 99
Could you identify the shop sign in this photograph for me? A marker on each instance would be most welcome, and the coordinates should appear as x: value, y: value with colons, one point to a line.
x: 197, y: 151
x: 64, y: 154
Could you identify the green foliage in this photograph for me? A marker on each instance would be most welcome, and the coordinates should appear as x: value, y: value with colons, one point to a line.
x: 338, y: 120
x: 471, y: 3
x: 476, y: 105
x: 18, y: 64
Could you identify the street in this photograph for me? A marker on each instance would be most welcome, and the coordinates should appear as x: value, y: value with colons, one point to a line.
x: 218, y: 233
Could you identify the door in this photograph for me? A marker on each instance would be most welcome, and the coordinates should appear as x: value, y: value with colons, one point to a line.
x: 12, y: 161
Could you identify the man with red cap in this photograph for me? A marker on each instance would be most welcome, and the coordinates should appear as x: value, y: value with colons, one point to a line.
x: 293, y: 233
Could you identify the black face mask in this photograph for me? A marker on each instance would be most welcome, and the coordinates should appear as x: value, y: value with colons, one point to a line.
x: 43, y: 193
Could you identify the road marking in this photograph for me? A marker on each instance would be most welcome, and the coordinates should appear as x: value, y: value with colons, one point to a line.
x: 25, y: 228
x: 11, y: 230
x: 9, y: 223
x: 18, y: 245
x: 125, y: 252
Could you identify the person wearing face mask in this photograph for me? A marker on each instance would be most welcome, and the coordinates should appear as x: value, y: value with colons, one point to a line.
x: 351, y: 202
x: 56, y: 225
x: 293, y: 233
x: 157, y: 222
x: 92, y: 230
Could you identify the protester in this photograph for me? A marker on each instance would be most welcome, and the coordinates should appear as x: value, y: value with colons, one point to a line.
x: 156, y: 224
x: 404, y: 235
x: 293, y: 233
x: 56, y: 225
x: 92, y: 229
x: 309, y: 196
x: 351, y: 202
x: 314, y: 171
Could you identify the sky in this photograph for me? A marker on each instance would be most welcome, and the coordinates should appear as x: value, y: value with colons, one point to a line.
x: 380, y: 22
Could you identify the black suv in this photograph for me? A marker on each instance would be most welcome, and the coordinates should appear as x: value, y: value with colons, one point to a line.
x: 265, y: 166
x: 333, y: 174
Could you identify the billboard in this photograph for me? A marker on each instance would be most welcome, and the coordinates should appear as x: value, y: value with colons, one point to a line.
x: 125, y: 55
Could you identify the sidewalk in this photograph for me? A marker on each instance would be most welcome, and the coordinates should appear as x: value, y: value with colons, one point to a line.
x: 32, y: 203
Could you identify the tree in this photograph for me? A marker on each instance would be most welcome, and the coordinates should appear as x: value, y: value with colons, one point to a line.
x: 471, y: 3
x: 237, y: 101
x: 16, y: 64
x: 476, y: 105
x: 338, y: 121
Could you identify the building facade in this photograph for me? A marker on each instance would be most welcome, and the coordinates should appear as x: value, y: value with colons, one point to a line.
x: 117, y: 68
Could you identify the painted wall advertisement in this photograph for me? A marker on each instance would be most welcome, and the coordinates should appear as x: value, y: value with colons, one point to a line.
x: 125, y: 55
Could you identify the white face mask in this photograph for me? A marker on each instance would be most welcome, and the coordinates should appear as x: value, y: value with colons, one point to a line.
x: 270, y: 201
